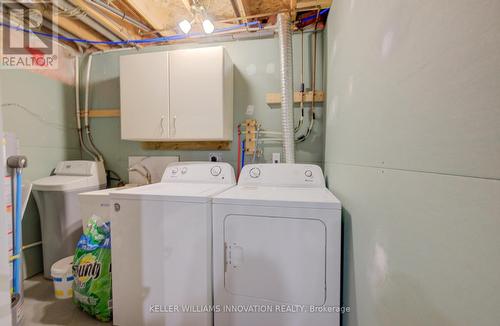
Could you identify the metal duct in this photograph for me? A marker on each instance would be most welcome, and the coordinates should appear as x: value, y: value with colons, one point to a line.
x: 119, y: 14
x: 286, y: 74
x: 67, y: 7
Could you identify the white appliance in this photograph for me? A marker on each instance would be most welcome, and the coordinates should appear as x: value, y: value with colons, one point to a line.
x: 97, y: 203
x: 276, y: 241
x: 161, y: 246
x: 57, y: 201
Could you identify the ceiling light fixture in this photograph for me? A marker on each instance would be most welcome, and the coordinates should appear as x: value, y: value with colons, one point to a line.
x: 208, y: 26
x: 185, y: 26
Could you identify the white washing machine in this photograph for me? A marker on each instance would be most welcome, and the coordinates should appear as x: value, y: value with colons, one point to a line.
x: 161, y: 247
x: 276, y: 256
x: 97, y: 203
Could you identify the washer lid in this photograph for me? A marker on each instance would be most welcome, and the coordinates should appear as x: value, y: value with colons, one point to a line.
x: 65, y: 183
x: 183, y: 192
x: 279, y: 196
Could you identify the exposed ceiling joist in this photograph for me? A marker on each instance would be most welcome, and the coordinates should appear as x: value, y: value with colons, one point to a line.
x: 242, y: 9
x: 121, y: 30
x: 151, y: 12
x: 293, y: 9
x: 314, y: 4
x: 79, y: 29
x: 139, y: 19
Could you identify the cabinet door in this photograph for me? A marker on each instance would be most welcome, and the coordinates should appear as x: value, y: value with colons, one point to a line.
x: 144, y: 96
x: 196, y: 94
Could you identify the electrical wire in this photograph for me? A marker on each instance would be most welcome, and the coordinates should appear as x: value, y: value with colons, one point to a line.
x: 125, y: 42
x: 147, y: 40
x: 321, y: 12
x: 243, y: 150
x: 302, y: 138
x: 302, y: 89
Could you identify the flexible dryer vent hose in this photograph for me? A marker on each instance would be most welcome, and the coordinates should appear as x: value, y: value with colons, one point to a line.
x: 285, y: 42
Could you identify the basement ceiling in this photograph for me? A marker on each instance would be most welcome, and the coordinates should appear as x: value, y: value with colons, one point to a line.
x: 117, y: 21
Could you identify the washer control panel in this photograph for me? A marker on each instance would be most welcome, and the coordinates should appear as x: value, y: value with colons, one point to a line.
x: 293, y: 175
x: 199, y: 172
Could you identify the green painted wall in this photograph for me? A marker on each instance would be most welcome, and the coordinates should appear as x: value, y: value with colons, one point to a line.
x: 256, y: 72
x: 413, y: 152
x: 40, y: 111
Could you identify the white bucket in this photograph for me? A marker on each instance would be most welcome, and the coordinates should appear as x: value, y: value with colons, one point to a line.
x: 62, y: 276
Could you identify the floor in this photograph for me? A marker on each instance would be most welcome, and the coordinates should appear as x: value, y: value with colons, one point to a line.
x: 42, y: 308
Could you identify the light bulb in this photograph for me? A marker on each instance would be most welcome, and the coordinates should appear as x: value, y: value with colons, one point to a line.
x: 208, y: 26
x: 185, y: 26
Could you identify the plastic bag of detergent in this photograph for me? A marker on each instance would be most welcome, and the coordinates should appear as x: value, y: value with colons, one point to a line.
x: 92, y: 270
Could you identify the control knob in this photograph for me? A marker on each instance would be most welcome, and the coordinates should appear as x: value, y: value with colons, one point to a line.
x: 254, y: 172
x: 215, y: 171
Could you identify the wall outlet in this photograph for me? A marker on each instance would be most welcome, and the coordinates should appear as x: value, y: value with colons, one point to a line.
x: 215, y: 157
x: 276, y: 157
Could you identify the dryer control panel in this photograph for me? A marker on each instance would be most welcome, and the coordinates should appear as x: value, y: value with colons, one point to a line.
x: 199, y: 172
x: 282, y: 175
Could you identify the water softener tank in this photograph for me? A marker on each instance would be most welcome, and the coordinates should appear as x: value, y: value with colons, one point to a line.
x: 57, y: 200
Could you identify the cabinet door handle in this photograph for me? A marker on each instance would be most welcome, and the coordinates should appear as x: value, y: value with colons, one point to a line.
x: 174, y: 130
x: 162, y: 126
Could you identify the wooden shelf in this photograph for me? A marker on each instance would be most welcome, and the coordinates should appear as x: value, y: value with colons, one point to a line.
x: 187, y: 145
x: 274, y: 99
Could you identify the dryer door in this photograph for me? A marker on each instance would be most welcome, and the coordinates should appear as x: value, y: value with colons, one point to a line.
x: 276, y: 258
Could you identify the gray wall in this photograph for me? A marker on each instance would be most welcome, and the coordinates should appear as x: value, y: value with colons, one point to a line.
x: 256, y: 73
x: 413, y: 153
x: 40, y: 111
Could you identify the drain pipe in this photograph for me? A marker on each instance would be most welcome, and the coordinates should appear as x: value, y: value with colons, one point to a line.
x: 286, y: 74
x: 77, y: 105
x: 92, y: 146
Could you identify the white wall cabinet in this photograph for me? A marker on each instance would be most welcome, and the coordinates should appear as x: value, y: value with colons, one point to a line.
x: 182, y: 95
x: 144, y: 96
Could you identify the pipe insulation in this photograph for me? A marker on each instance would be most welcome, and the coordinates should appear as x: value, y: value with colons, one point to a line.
x: 286, y: 74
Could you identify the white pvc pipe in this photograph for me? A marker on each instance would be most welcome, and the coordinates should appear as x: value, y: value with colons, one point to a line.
x: 285, y: 42
x: 77, y: 93
x: 93, y: 148
x: 87, y: 82
x: 77, y: 109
